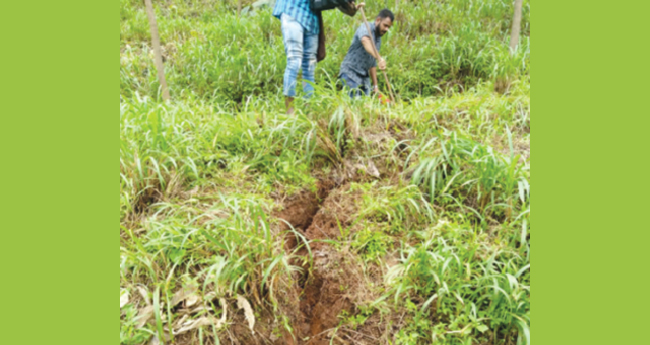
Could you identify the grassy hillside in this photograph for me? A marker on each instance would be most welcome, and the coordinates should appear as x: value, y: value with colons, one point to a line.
x: 351, y: 223
x: 211, y: 53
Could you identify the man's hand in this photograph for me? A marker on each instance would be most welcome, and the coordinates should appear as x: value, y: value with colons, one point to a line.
x: 350, y: 8
x: 382, y: 65
x: 375, y: 89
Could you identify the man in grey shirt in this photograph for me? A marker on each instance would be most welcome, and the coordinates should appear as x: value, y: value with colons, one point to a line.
x: 360, y: 64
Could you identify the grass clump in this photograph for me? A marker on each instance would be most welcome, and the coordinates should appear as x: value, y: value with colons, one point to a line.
x: 457, y: 171
x: 455, y: 278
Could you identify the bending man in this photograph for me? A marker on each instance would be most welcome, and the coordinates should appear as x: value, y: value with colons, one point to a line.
x: 360, y: 64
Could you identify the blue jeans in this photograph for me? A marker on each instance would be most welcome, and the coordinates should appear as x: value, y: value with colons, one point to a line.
x: 356, y: 89
x: 301, y: 48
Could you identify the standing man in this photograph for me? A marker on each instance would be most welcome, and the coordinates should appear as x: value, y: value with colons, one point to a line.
x: 300, y: 29
x: 360, y: 64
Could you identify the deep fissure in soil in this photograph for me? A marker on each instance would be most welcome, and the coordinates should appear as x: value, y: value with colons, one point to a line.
x: 321, y: 297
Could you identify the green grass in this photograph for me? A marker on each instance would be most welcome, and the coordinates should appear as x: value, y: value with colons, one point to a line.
x: 441, y: 237
x: 213, y: 54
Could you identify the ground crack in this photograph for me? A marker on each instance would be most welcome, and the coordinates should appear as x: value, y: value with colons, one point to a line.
x: 300, y: 212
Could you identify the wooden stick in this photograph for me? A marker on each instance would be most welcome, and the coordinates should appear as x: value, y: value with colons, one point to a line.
x: 516, y: 27
x: 365, y: 20
x: 155, y: 40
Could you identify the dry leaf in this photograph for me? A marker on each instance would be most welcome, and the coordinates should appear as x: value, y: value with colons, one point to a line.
x: 144, y: 316
x: 184, y: 294
x: 181, y: 322
x: 199, y: 309
x: 372, y: 170
x: 124, y: 298
x: 156, y: 341
x: 144, y: 294
x: 191, y: 301
x: 210, y: 297
x: 224, y: 315
x: 359, y: 166
x: 242, y: 303
x: 191, y: 325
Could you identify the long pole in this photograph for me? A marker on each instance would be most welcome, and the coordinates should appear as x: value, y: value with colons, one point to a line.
x: 155, y: 41
x: 365, y: 20
x: 516, y: 27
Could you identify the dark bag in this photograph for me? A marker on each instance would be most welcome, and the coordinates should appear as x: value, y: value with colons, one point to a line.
x: 318, y: 6
x: 322, y: 52
x: 324, y: 5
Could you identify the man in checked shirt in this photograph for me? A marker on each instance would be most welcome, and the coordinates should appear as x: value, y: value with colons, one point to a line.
x: 300, y: 29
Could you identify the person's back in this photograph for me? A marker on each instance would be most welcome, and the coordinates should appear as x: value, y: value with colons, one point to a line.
x: 300, y: 32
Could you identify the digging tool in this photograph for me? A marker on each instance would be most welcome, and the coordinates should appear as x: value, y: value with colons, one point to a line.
x: 365, y: 20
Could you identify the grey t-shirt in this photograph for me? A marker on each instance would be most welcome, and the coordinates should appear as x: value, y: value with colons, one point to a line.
x: 357, y: 62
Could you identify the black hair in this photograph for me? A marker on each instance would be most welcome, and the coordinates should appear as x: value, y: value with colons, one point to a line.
x: 386, y: 13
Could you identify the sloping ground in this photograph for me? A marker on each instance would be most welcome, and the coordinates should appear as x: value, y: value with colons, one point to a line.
x: 357, y: 224
x: 351, y: 223
x: 212, y: 54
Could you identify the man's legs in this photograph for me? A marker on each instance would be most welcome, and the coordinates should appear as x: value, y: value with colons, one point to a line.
x: 365, y: 89
x: 293, y: 34
x: 356, y: 93
x: 355, y: 89
x: 309, y: 63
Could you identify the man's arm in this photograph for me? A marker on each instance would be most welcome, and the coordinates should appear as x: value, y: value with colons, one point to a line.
x: 368, y: 46
x: 373, y: 75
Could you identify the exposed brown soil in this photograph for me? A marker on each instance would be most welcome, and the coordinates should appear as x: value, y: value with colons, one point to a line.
x: 299, y: 211
x: 333, y: 282
x: 327, y: 288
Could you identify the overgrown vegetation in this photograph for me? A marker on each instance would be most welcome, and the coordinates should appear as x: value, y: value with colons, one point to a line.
x: 211, y: 53
x: 414, y: 218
